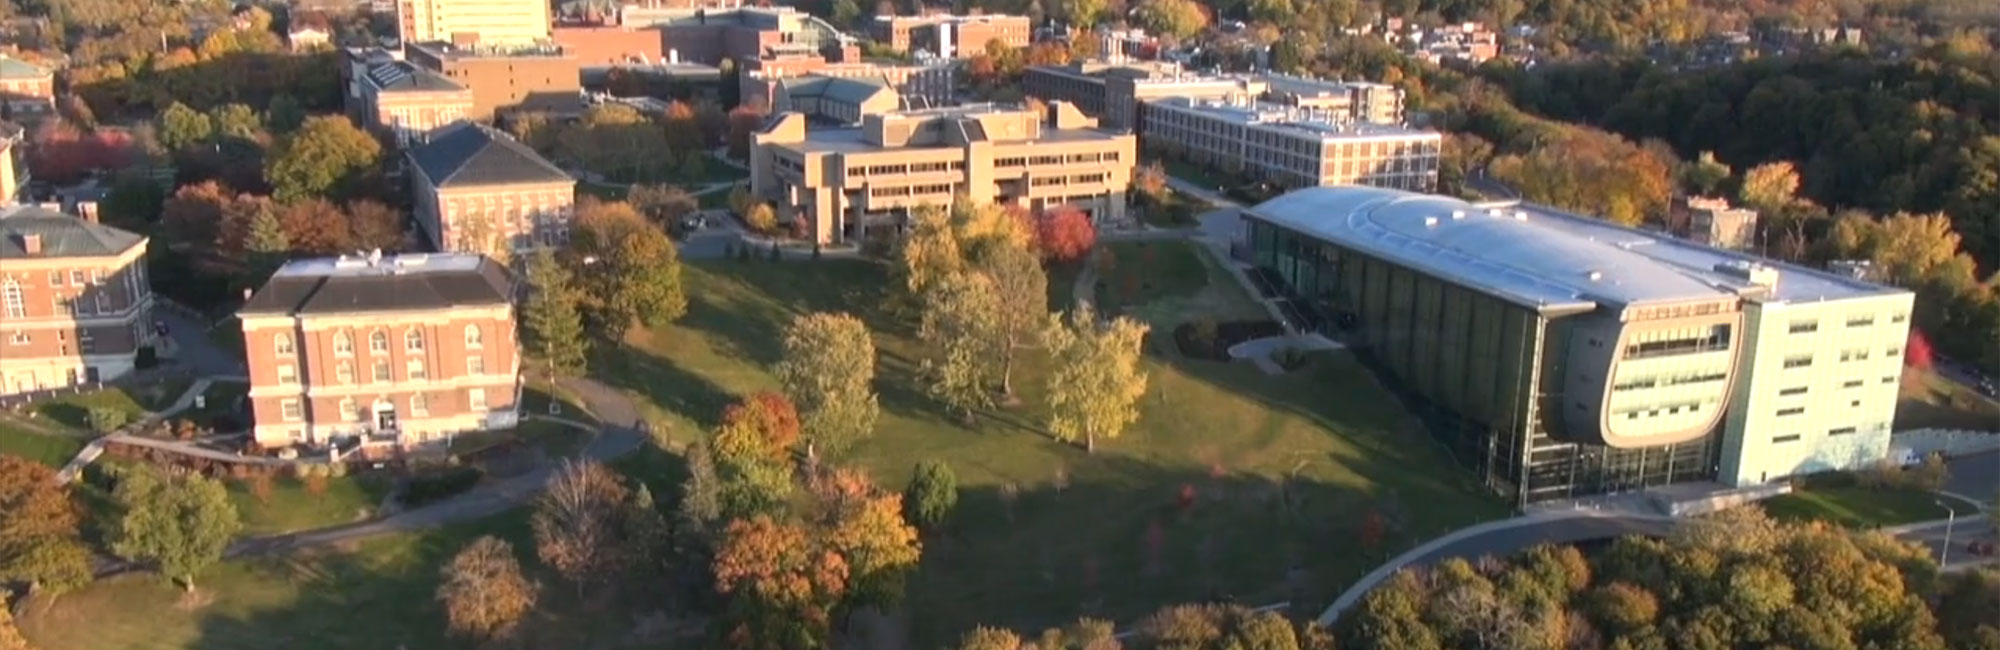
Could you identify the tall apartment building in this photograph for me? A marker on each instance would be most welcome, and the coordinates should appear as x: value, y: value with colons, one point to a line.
x: 480, y: 191
x: 845, y: 181
x: 505, y: 78
x: 26, y: 90
x: 464, y: 22
x: 406, y: 102
x: 75, y: 306
x: 948, y: 36
x: 1293, y: 147
x: 1712, y: 221
x: 397, y: 351
x: 1563, y: 356
x: 926, y: 85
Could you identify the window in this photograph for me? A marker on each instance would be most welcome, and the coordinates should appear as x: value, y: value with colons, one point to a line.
x: 413, y: 341
x: 343, y: 344
x: 1889, y: 380
x: 378, y: 341
x: 1851, y: 384
x: 55, y: 278
x: 1786, y: 438
x: 1801, y: 390
x: 288, y: 374
x: 1791, y: 411
x: 419, y: 405
x: 1898, y: 318
x: 10, y: 294
x: 475, y: 365
x: 76, y: 277
x: 1799, y: 361
x: 475, y: 399
x: 1804, y: 326
x: 290, y: 409
x: 1840, y: 431
x: 381, y: 372
x: 473, y: 338
x: 348, y: 411
x: 103, y: 301
x: 282, y: 344
x: 1895, y: 352
x: 20, y: 338
x: 344, y: 372
x: 96, y: 277
x: 1861, y: 321
x: 415, y: 368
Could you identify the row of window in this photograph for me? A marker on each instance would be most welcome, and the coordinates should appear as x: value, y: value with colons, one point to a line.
x: 1671, y: 380
x: 16, y: 306
x: 1793, y: 437
x: 292, y: 410
x: 378, y: 341
x: 1854, y: 354
x: 1855, y: 320
x: 413, y: 370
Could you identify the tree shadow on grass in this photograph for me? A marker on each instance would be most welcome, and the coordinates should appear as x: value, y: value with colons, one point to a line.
x: 747, y: 305
x: 665, y: 383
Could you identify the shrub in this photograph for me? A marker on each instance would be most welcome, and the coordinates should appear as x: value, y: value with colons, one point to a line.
x: 932, y: 494
x: 107, y: 420
x: 426, y: 489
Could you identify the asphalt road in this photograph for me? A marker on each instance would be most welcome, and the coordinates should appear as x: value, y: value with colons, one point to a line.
x: 1975, y: 476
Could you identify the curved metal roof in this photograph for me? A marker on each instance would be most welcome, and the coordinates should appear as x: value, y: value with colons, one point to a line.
x: 1507, y: 252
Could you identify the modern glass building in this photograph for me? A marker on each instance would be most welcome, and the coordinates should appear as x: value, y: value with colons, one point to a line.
x: 1562, y: 356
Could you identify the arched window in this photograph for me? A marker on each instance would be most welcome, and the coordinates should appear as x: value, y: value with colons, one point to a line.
x: 343, y: 344
x: 473, y: 337
x: 10, y: 294
x: 282, y: 344
x: 378, y: 341
x: 413, y: 340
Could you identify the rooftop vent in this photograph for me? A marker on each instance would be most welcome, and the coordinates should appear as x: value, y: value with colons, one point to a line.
x: 1520, y: 215
x: 1458, y: 214
x: 1431, y: 222
x: 1749, y: 272
x: 1594, y: 275
x: 31, y: 243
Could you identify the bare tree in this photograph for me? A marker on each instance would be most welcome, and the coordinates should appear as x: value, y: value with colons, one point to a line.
x: 577, y: 522
x: 483, y: 590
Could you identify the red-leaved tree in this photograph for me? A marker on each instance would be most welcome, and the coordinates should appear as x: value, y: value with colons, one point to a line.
x: 1065, y: 234
x: 62, y: 154
x: 744, y: 120
x: 1917, y: 353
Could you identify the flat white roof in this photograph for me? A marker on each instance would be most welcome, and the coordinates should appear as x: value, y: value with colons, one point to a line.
x: 1537, y: 256
x: 364, y: 264
x: 1262, y: 114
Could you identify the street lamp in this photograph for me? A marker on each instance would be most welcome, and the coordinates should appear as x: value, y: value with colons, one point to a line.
x: 1951, y: 516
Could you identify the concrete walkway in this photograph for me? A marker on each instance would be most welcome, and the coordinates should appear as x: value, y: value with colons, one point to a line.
x: 1260, y: 351
x: 90, y: 452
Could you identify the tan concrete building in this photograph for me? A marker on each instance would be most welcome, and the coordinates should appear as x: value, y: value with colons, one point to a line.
x: 478, y: 190
x: 74, y: 303
x: 949, y: 36
x: 835, y: 100
x: 1293, y: 147
x: 920, y: 85
x: 28, y: 90
x: 491, y: 22
x: 406, y: 102
x: 1713, y: 222
x: 533, y: 78
x: 846, y: 181
x: 1116, y: 90
x: 398, y: 351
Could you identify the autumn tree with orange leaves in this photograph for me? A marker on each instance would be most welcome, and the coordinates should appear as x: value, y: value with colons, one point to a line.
x: 764, y: 425
x: 784, y: 586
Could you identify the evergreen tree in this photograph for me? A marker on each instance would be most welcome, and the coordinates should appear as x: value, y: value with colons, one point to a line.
x: 267, y: 244
x: 552, y: 322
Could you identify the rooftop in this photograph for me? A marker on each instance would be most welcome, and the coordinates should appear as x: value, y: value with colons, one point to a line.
x: 12, y: 68
x: 449, y: 52
x: 1538, y: 256
x: 464, y: 154
x: 399, y: 76
x: 1291, y: 118
x: 61, y: 235
x: 375, y: 283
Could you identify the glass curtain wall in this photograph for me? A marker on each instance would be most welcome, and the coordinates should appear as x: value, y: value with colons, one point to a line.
x: 1484, y: 373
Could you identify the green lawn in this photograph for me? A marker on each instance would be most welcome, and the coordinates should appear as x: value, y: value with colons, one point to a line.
x: 73, y: 411
x: 290, y: 507
x: 377, y: 594
x: 1110, y: 542
x: 1855, y: 506
x: 44, y: 448
x: 555, y: 440
x: 1164, y: 281
x: 1930, y: 401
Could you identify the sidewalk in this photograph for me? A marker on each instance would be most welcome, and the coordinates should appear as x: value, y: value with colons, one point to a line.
x: 90, y: 452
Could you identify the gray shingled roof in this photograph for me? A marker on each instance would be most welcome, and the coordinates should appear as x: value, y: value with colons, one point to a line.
x: 466, y: 154
x: 398, y: 76
x: 12, y: 68
x: 487, y: 284
x: 62, y: 235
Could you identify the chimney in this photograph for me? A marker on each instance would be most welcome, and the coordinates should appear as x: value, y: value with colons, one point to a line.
x: 87, y: 210
x: 31, y: 243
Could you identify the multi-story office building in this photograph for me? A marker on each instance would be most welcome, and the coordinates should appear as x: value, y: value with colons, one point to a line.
x: 1293, y: 147
x: 929, y: 85
x: 503, y: 78
x: 713, y: 35
x: 74, y: 303
x: 491, y: 22
x: 400, y: 350
x: 835, y: 100
x: 28, y: 90
x: 406, y: 102
x: 948, y: 36
x: 1563, y: 356
x: 1714, y: 222
x: 1116, y: 91
x: 1354, y: 101
x: 844, y: 181
x: 480, y: 191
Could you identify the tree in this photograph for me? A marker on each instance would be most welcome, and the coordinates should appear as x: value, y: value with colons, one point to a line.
x: 760, y: 218
x: 932, y: 493
x: 1704, y: 176
x: 930, y: 252
x: 181, y: 126
x: 1066, y: 234
x: 963, y: 324
x: 39, y: 539
x: 828, y: 370
x: 1179, y: 19
x: 1021, y: 290
x: 105, y: 419
x: 1770, y: 186
x: 1917, y: 353
x: 326, y: 157
x: 744, y: 120
x: 284, y: 114
x: 483, y: 590
x: 634, y: 275
x: 879, y: 547
x: 577, y: 522
x: 180, y: 524
x: 787, y: 586
x: 10, y: 636
x: 551, y: 322
x: 266, y: 243
x: 647, y: 533
x: 371, y: 225
x: 990, y: 638
x: 236, y: 121
x: 664, y: 204
x: 763, y: 426
x: 1098, y: 381
x: 134, y: 203
x: 1083, y: 13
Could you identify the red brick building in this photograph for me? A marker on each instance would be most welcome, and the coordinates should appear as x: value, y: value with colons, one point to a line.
x: 74, y: 303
